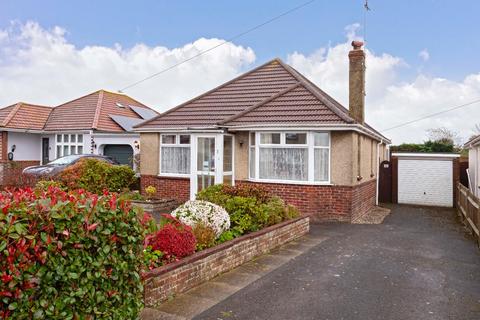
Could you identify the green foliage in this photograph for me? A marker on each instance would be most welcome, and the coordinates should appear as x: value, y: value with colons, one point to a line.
x: 96, y: 176
x: 43, y: 185
x: 427, y: 147
x: 69, y: 255
x: 226, y: 236
x: 205, y: 236
x: 214, y: 194
x: 243, y: 215
x: 119, y: 178
x: 251, y: 208
x: 131, y: 195
x: 152, y: 258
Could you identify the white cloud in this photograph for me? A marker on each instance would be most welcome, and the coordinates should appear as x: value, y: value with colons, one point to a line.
x: 424, y: 55
x: 389, y: 101
x: 41, y: 66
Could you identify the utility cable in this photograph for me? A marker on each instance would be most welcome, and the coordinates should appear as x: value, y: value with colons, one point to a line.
x: 432, y: 115
x: 218, y: 45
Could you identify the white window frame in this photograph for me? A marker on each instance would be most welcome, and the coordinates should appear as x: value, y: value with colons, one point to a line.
x: 70, y: 144
x: 170, y: 145
x: 310, y: 145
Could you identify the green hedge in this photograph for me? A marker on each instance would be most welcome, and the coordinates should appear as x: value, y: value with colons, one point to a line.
x: 428, y: 146
x: 69, y: 256
x: 95, y: 176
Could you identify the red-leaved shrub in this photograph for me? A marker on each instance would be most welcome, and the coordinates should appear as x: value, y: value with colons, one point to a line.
x: 174, y: 239
x: 69, y: 255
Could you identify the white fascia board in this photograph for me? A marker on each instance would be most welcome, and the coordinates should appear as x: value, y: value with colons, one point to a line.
x: 472, y: 143
x: 111, y: 134
x: 425, y: 155
x: 188, y: 130
x: 22, y: 130
x: 326, y: 127
x: 66, y: 131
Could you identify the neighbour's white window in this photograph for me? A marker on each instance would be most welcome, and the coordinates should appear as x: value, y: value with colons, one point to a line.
x: 68, y: 144
x: 290, y: 156
x: 175, y: 154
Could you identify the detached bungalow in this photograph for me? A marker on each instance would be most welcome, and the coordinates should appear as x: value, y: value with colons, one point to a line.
x: 98, y: 123
x: 273, y: 127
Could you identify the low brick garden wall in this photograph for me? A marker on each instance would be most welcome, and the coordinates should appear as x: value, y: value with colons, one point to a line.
x: 178, y: 277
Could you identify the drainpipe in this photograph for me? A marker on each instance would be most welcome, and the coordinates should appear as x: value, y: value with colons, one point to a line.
x: 378, y: 170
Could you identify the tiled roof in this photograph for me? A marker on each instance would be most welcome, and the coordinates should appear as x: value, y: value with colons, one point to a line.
x: 24, y: 116
x: 227, y: 100
x: 274, y: 93
x: 295, y: 105
x: 91, y: 112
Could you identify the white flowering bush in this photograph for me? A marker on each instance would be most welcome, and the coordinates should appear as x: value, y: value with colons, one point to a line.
x: 199, y: 211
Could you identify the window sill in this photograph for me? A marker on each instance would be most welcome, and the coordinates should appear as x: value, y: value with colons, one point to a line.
x: 174, y: 175
x: 326, y: 183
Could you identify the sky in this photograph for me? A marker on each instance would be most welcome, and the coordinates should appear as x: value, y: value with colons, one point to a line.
x: 422, y: 56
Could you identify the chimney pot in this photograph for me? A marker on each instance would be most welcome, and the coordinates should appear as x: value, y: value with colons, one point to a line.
x: 357, y: 45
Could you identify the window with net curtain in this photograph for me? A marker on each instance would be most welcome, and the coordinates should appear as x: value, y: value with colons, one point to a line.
x: 175, y: 154
x: 285, y: 156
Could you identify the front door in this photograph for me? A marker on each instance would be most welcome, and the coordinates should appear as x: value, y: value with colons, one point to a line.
x: 45, y: 150
x: 205, y: 164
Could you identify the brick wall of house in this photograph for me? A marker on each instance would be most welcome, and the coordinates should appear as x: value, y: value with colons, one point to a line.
x: 167, y: 188
x: 320, y: 202
x: 3, y: 145
x: 326, y: 203
x: 178, y: 277
x: 363, y: 198
x: 11, y: 173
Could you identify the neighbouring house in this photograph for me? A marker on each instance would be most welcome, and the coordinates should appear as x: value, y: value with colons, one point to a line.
x: 473, y: 146
x: 98, y: 123
x: 272, y: 127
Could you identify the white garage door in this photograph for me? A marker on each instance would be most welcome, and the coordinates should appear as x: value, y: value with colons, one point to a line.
x: 425, y: 182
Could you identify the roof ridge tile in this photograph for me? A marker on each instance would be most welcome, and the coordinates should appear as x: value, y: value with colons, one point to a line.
x: 11, y: 114
x: 98, y: 109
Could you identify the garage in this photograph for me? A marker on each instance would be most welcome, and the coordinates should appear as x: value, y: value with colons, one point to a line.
x: 425, y: 179
x: 122, y: 153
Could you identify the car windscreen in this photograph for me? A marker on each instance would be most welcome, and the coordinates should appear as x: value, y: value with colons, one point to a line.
x: 65, y: 160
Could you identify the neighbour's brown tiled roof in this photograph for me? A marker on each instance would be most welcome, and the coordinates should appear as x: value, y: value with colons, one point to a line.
x: 24, y: 116
x: 93, y: 112
x: 90, y: 112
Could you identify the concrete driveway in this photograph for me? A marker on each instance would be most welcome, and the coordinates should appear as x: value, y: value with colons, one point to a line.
x: 418, y: 264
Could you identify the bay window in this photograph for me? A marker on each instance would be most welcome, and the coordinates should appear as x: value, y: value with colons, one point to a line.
x: 175, y: 154
x: 290, y: 156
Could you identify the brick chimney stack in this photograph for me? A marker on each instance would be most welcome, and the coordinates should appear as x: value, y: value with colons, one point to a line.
x: 356, y: 89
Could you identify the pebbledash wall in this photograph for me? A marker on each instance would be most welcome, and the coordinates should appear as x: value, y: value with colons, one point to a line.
x: 353, y: 175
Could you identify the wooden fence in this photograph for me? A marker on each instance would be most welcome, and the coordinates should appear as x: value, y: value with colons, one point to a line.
x: 468, y: 207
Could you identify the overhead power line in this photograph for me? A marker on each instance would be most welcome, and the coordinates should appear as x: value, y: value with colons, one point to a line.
x: 218, y: 45
x: 432, y: 115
